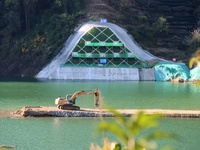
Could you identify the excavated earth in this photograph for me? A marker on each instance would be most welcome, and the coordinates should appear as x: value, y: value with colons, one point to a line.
x: 45, y: 111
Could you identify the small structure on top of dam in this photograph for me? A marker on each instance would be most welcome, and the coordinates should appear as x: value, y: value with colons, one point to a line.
x: 101, y: 51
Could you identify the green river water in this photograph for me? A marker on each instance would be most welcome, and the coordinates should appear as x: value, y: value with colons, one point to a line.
x: 79, y: 133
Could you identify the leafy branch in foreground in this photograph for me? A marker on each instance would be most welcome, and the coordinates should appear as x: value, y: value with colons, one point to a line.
x: 195, y: 62
x: 128, y: 129
x: 197, y: 84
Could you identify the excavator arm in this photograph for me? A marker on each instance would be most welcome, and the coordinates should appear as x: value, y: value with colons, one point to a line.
x: 84, y: 92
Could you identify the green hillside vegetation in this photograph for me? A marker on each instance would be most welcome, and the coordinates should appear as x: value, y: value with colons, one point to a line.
x: 32, y: 32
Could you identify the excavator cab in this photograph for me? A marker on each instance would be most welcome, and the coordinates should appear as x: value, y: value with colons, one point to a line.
x: 68, y: 97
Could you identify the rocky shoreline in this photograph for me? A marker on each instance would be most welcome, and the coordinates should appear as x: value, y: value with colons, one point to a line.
x: 45, y: 111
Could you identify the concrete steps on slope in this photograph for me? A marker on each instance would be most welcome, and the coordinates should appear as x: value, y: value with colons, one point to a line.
x: 179, y: 14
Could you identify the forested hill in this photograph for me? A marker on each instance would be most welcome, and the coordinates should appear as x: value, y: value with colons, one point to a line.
x: 32, y: 32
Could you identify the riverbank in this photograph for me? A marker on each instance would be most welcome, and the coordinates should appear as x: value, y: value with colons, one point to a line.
x: 45, y: 111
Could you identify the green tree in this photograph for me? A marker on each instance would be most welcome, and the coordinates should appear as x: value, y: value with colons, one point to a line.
x: 161, y: 25
x: 67, y: 6
x: 127, y: 130
x: 29, y: 8
x: 194, y: 40
x: 195, y: 61
x: 11, y: 21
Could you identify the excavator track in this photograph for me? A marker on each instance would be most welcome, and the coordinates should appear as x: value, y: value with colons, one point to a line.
x: 69, y: 107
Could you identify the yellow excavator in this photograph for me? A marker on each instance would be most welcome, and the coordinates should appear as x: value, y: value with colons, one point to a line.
x: 68, y: 103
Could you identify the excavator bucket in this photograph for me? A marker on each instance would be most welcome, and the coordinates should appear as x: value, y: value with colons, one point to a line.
x: 96, y: 98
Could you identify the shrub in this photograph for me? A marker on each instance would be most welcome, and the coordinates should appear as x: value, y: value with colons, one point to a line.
x: 127, y: 129
x: 194, y: 41
x: 161, y: 25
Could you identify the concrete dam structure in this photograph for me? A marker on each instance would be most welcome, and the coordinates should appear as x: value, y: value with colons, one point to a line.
x: 101, y: 51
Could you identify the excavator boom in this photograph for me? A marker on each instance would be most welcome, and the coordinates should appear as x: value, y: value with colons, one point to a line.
x: 96, y: 95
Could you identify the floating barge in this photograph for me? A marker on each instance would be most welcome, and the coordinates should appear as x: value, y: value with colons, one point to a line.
x: 46, y: 111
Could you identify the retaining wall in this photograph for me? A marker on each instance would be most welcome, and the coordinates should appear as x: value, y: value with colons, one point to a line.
x: 98, y: 73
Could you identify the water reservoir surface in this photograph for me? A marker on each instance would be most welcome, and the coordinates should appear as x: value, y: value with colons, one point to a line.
x: 79, y: 133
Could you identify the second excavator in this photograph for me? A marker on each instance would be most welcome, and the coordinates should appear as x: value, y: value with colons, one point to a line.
x: 68, y: 103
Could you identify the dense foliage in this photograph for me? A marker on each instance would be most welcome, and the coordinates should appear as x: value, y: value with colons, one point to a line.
x: 32, y: 32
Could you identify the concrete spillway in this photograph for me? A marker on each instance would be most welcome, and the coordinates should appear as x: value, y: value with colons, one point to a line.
x: 144, y: 67
x: 95, y: 73
x: 54, y: 70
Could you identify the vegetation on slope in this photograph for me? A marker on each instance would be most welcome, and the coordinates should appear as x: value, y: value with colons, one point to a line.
x: 32, y: 32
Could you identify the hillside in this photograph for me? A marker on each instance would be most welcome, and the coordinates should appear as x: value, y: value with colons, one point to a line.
x: 167, y: 41
x: 162, y: 27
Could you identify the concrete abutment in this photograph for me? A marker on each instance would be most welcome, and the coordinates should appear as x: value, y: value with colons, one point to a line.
x: 98, y: 73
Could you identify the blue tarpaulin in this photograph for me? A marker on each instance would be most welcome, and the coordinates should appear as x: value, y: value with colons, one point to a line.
x: 195, y: 73
x: 168, y: 71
